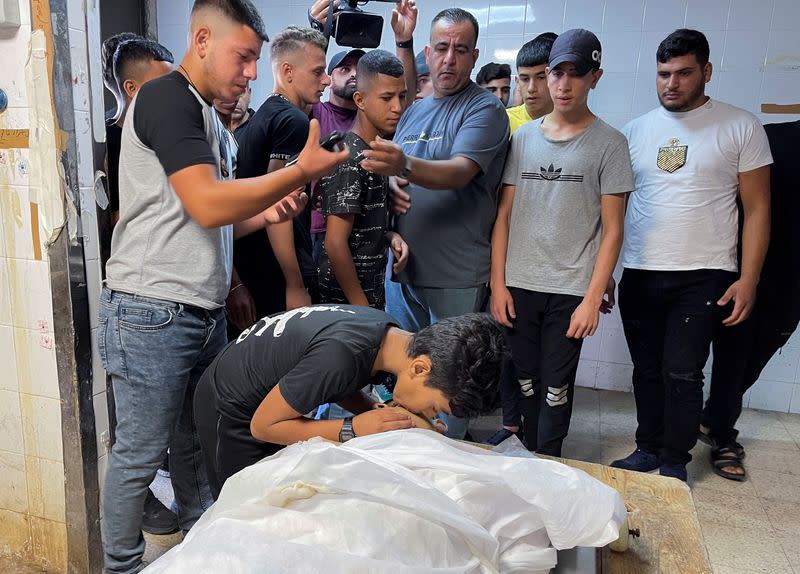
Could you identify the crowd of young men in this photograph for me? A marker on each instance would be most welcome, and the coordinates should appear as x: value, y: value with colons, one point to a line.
x: 234, y: 306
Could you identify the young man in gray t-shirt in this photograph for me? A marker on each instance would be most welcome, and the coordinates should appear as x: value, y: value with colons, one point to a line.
x: 557, y: 238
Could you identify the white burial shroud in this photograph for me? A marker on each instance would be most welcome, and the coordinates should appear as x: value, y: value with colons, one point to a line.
x: 400, y: 502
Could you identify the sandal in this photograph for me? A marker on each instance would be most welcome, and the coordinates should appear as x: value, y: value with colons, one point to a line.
x: 726, y: 457
x: 704, y: 436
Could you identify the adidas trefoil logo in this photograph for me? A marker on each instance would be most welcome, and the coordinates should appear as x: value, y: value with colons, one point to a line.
x: 550, y: 174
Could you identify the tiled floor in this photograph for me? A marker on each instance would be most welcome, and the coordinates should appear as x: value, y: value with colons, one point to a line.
x: 748, y: 527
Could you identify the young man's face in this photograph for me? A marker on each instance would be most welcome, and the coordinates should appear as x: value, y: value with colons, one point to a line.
x: 500, y: 87
x: 569, y: 91
x: 343, y: 78
x: 451, y: 56
x: 231, y: 53
x: 424, y: 87
x: 414, y: 395
x: 532, y: 86
x: 681, y: 82
x: 308, y: 75
x: 382, y: 102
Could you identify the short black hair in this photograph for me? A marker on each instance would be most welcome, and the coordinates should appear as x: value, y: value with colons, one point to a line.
x: 377, y: 62
x: 536, y: 52
x: 240, y: 11
x: 466, y: 354
x: 493, y: 71
x: 682, y: 42
x: 107, y: 52
x: 137, y: 51
x: 456, y: 16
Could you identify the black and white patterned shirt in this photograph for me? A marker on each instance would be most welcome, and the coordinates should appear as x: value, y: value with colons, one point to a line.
x: 351, y: 190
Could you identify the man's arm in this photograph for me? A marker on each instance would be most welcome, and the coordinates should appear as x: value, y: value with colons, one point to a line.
x: 501, y: 302
x: 479, y: 141
x: 387, y: 158
x: 214, y: 203
x: 278, y: 423
x: 404, y: 22
x: 586, y: 317
x: 755, y: 196
x: 337, y: 247
x: 281, y: 238
x: 239, y: 303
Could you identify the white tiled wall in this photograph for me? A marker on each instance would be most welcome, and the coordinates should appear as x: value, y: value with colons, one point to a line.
x: 32, y: 513
x: 755, y: 50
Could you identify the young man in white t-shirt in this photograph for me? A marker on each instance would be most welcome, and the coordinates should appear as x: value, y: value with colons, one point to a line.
x: 557, y: 237
x: 691, y: 158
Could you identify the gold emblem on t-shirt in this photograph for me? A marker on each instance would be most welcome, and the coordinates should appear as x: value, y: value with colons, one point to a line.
x: 672, y: 157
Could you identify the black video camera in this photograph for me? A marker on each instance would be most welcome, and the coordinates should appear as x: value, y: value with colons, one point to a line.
x: 351, y: 26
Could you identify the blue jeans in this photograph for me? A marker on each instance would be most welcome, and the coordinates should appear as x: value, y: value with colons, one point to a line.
x: 155, y: 352
x: 417, y: 307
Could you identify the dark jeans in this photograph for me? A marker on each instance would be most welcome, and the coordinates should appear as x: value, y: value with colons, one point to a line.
x: 669, y: 318
x: 154, y: 351
x: 317, y: 246
x: 742, y: 352
x: 546, y: 362
x: 227, y: 444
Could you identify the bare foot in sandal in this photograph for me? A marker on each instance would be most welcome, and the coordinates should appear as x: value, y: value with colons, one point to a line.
x: 727, y: 462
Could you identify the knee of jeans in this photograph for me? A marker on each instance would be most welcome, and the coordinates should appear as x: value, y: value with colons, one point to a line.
x: 685, y: 378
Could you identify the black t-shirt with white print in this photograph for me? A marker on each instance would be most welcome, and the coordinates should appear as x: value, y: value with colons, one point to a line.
x: 316, y: 355
x: 352, y: 190
x: 278, y: 130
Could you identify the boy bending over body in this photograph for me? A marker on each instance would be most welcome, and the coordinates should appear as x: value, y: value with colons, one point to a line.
x: 251, y: 400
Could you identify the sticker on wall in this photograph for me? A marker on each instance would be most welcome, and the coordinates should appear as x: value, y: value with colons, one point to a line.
x: 3, y: 100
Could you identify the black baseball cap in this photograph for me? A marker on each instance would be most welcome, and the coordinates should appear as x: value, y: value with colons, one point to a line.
x: 579, y: 47
x: 337, y: 59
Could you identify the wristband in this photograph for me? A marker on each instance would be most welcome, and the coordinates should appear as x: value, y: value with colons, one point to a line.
x: 407, y: 44
x: 235, y: 287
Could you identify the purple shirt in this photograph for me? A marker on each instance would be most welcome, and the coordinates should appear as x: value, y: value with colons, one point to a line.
x: 331, y: 118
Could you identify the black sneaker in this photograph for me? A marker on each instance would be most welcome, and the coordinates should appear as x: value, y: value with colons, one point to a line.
x: 157, y: 518
x: 639, y: 460
x: 502, y: 435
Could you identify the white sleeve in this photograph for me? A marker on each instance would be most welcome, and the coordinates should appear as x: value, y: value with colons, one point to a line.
x: 754, y: 151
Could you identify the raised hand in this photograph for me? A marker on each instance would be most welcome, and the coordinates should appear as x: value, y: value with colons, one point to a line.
x: 404, y: 20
